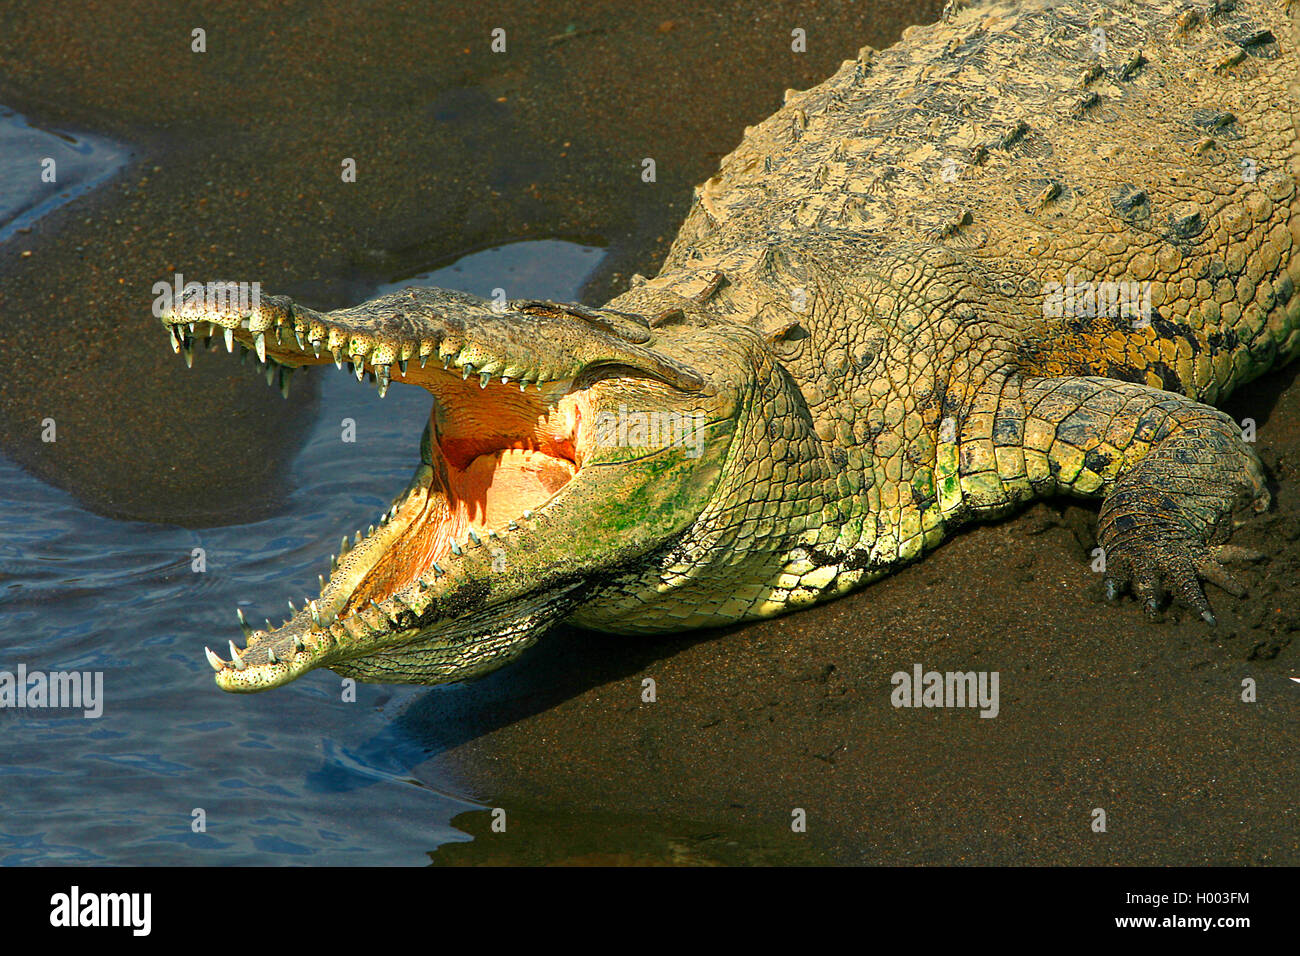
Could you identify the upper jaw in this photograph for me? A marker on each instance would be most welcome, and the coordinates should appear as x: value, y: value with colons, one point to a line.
x: 528, y: 570
x: 398, y: 336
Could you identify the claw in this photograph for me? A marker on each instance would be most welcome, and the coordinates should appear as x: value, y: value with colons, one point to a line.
x: 1210, y: 570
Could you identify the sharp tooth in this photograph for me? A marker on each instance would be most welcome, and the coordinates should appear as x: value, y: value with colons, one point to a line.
x: 285, y: 373
x: 315, y: 613
x: 230, y: 339
x: 437, y: 569
x: 216, y: 662
x: 484, y: 379
x: 505, y: 379
x: 370, y: 530
x: 343, y: 546
x: 492, y: 533
x: 513, y: 525
x: 423, y: 359
x: 360, y: 368
x: 334, y: 566
x: 465, y: 370
x: 269, y: 626
x: 297, y: 337
x: 298, y: 645
x: 292, y: 609
x: 176, y: 339
x: 523, y: 386
x: 359, y: 537
x: 446, y: 363
x: 260, y: 342
x: 194, y: 327
x: 338, y: 360
x: 243, y: 623
x: 528, y: 514
x: 401, y: 364
x: 424, y: 585
x: 473, y: 537
x: 455, y: 549
x: 188, y: 352
x: 270, y: 656
x: 235, y: 659
x: 270, y: 373
x: 321, y: 577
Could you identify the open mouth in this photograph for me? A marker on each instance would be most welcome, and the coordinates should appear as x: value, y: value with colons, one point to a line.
x: 492, y: 457
x: 508, y: 434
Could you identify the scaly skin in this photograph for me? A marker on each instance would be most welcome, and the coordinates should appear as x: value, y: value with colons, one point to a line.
x: 862, y: 305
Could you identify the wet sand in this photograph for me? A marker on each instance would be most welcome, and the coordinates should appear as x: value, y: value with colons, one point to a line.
x: 237, y: 176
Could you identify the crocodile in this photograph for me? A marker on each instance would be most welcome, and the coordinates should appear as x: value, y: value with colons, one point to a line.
x: 1021, y: 253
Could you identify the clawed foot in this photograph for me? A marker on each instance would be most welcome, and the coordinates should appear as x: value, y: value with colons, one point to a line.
x: 1161, y: 566
x: 1162, y: 529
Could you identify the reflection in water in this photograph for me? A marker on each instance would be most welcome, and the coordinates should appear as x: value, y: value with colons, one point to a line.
x: 295, y: 775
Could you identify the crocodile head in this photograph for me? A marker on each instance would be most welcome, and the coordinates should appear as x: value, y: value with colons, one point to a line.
x: 561, y: 450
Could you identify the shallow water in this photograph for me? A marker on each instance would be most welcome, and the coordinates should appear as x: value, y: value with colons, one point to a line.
x: 296, y: 775
x: 81, y: 162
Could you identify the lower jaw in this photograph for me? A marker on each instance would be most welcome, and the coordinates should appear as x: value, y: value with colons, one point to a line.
x: 436, y: 523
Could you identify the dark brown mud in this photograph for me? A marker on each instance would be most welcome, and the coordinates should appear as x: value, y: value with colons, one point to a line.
x: 237, y: 176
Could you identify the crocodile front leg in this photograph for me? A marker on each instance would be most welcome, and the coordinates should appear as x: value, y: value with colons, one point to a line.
x: 1169, y: 471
